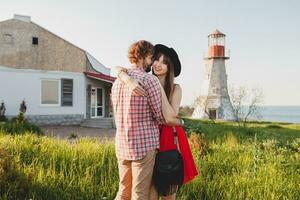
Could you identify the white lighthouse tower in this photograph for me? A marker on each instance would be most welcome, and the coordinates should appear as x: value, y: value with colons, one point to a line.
x: 214, y: 101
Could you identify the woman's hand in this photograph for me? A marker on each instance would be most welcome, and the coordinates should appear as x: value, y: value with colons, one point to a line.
x: 136, y: 87
x: 120, y: 69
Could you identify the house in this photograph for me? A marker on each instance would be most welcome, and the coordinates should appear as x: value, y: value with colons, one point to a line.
x: 60, y: 82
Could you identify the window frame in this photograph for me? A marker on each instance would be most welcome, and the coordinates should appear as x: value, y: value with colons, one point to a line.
x: 59, y: 92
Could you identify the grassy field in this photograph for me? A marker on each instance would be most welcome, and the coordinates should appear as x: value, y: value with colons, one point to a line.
x: 261, y: 161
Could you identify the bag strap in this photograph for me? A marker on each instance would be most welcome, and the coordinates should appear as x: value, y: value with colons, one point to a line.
x: 176, y: 138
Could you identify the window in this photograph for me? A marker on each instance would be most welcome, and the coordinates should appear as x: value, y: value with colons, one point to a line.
x: 67, y: 92
x: 8, y: 38
x: 35, y: 40
x: 50, y: 92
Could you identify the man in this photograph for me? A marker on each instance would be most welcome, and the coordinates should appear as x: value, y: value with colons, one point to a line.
x: 137, y: 119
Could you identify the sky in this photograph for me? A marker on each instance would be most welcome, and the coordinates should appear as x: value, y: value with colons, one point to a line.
x: 263, y: 36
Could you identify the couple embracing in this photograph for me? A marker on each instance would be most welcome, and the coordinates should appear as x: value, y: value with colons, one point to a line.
x: 146, y: 114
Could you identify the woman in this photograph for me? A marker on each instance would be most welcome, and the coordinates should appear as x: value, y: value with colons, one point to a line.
x: 166, y: 67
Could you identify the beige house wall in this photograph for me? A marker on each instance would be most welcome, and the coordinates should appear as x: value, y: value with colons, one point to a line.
x: 52, y: 52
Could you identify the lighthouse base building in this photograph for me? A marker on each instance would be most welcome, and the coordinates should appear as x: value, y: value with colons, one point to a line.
x: 214, y: 108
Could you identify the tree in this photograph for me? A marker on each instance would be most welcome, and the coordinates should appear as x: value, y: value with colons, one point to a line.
x: 246, y: 103
x: 186, y: 111
x: 22, y: 109
x: 2, y: 112
x: 203, y: 101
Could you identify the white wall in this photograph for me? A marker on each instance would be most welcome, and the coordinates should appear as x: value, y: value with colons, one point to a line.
x: 19, y: 84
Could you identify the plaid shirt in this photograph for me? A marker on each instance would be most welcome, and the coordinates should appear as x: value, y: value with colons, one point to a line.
x: 137, y: 117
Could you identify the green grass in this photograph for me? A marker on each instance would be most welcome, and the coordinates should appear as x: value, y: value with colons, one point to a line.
x: 282, y: 132
x: 259, y: 162
x: 60, y: 170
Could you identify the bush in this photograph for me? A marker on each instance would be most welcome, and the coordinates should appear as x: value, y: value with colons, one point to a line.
x: 15, y: 127
x: 274, y: 126
x: 199, y: 143
x: 186, y: 111
x: 14, y: 184
x: 3, y: 118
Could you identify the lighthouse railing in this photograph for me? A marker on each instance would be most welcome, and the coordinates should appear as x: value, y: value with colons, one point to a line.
x: 207, y: 55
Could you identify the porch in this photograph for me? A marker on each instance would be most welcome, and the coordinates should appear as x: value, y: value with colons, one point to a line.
x: 98, y: 102
x: 106, y: 122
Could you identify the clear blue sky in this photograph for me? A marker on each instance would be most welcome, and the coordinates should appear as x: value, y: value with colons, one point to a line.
x: 263, y: 36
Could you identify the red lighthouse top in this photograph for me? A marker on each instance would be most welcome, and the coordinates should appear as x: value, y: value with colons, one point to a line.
x: 216, y: 45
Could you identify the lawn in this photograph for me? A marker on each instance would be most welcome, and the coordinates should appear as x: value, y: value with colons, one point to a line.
x: 261, y: 161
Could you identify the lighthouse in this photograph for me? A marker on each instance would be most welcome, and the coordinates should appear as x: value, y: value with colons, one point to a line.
x: 214, y: 101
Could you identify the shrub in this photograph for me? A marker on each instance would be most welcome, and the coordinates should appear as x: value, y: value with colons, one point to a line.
x: 274, y: 126
x: 15, y: 127
x: 186, y: 111
x: 199, y: 143
x: 21, y: 118
x: 72, y: 136
x: 296, y: 145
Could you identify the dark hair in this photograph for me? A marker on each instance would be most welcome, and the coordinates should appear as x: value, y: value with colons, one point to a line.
x: 169, y: 83
x: 140, y: 50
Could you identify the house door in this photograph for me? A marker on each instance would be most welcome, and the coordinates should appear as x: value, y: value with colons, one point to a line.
x: 97, y: 102
x: 212, y: 114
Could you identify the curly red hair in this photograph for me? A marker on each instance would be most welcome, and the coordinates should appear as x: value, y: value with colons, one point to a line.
x: 140, y: 50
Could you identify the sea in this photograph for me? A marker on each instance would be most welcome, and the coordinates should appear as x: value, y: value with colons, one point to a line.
x: 290, y: 114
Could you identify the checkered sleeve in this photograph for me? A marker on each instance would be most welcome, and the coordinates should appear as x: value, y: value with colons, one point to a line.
x: 154, y: 99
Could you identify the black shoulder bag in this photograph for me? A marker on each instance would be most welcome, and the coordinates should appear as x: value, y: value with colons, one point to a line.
x: 168, y: 170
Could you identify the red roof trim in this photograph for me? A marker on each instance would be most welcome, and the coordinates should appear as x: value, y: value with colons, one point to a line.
x: 100, y: 76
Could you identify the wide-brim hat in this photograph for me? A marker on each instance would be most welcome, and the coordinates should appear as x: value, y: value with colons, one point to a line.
x: 160, y: 48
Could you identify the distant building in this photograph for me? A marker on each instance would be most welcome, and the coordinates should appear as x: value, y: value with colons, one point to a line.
x: 60, y: 82
x: 214, y: 101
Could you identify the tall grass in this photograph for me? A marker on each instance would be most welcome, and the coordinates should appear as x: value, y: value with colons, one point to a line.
x: 249, y: 170
x: 254, y: 163
x: 60, y: 170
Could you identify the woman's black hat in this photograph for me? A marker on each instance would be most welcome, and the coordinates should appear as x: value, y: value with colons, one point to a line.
x: 160, y: 48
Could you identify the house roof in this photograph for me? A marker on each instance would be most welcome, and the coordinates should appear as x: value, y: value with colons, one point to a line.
x: 100, y: 76
x: 97, y: 66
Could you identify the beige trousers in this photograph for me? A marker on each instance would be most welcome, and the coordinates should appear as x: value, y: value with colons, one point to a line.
x: 135, y: 177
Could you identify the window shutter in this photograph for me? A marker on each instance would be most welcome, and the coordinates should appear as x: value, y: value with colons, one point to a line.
x: 67, y: 92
